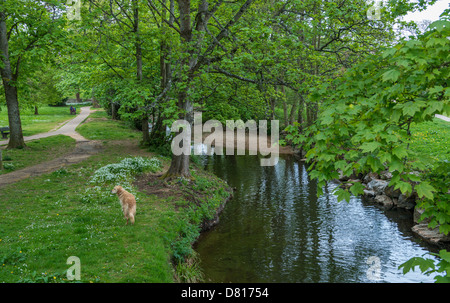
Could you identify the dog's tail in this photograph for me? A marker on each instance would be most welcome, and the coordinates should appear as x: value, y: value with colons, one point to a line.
x: 132, y: 218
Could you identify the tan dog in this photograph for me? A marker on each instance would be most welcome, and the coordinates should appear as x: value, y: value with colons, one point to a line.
x: 127, y: 201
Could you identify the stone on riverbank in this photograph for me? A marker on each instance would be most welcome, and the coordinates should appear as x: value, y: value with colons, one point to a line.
x: 377, y: 190
x: 432, y: 236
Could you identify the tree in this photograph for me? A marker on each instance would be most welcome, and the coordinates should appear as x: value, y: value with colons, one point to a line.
x: 120, y: 73
x: 8, y: 79
x: 27, y: 29
x: 40, y: 88
x: 365, y: 124
x: 197, y: 42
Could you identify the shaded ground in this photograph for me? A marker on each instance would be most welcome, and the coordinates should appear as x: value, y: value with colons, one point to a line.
x: 151, y: 184
x: 178, y: 193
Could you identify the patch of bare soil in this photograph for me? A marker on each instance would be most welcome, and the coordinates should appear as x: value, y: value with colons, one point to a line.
x: 151, y: 184
x: 173, y: 191
x: 95, y: 119
x: 82, y: 151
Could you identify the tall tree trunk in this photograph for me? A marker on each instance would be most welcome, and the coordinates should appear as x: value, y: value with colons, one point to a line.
x: 273, y: 100
x: 292, y: 113
x: 77, y: 95
x: 137, y: 44
x: 301, y: 103
x: 36, y: 112
x: 158, y: 134
x: 179, y: 167
x: 180, y: 163
x: 15, y: 125
x: 311, y: 113
x: 285, y: 110
x: 114, y: 115
x: 313, y: 106
x: 193, y: 60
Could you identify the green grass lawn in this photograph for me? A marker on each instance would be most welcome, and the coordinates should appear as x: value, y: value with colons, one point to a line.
x: 49, y: 118
x: 102, y: 127
x: 46, y: 219
x: 431, y: 140
x: 37, y: 151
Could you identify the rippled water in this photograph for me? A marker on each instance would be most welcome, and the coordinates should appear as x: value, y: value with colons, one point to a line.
x: 275, y: 229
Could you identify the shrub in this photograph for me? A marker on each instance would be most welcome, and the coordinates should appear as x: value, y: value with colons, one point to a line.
x: 123, y: 170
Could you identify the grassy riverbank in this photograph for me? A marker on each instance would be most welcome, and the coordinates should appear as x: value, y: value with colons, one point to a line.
x: 70, y: 212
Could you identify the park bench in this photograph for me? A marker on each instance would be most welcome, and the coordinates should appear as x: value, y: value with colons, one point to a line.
x: 5, y: 132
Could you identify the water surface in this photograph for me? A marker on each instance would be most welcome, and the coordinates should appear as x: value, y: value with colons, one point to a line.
x: 275, y: 229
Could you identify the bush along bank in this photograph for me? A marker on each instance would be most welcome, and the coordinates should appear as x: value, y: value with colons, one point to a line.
x: 197, y: 203
x: 431, y: 217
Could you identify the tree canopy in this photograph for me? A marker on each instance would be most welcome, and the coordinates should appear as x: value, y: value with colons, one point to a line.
x: 367, y: 113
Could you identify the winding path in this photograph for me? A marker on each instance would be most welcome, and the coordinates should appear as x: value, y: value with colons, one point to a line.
x: 68, y: 129
x: 84, y: 148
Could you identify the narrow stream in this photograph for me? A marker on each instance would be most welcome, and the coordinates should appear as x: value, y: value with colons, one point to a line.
x: 275, y: 229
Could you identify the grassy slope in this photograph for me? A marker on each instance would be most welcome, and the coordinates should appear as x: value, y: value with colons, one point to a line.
x: 44, y: 220
x: 101, y: 127
x: 432, y: 140
x: 49, y: 118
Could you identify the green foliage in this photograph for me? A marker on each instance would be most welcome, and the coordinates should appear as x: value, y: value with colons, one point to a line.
x: 35, y: 35
x: 365, y: 124
x: 40, y: 88
x: 293, y: 136
x: 430, y: 266
x: 190, y: 271
x: 436, y: 206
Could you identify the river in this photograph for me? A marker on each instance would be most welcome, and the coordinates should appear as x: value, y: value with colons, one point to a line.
x: 275, y: 229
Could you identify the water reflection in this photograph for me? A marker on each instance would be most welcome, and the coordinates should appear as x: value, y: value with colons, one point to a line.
x: 275, y: 229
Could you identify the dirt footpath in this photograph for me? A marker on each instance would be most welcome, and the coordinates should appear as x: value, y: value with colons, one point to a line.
x: 84, y: 148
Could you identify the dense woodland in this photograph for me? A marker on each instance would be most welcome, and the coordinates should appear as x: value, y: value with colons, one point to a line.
x: 344, y: 86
